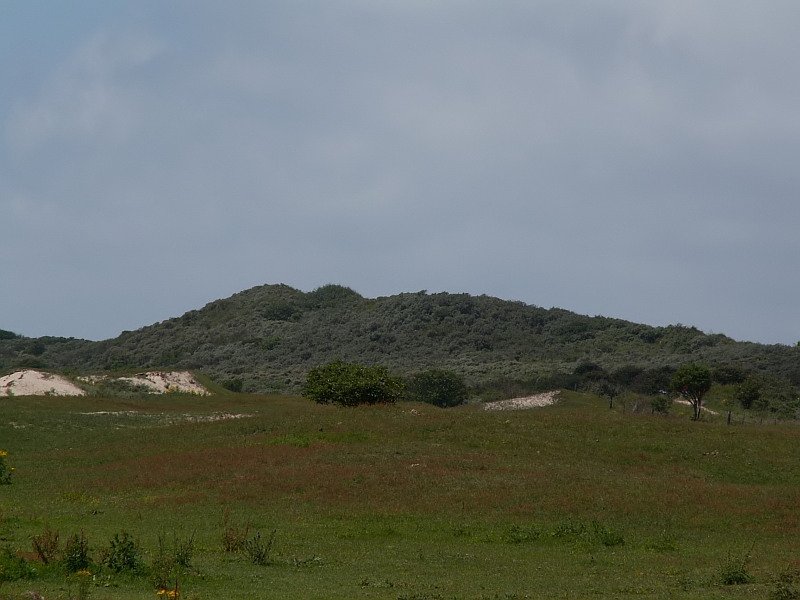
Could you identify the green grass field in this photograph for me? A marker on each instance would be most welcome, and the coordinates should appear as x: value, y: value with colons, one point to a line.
x: 405, y: 501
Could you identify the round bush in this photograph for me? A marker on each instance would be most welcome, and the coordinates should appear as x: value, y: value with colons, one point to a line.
x: 350, y: 384
x: 438, y: 387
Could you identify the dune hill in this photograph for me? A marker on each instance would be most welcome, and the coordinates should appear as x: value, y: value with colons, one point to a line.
x: 269, y: 336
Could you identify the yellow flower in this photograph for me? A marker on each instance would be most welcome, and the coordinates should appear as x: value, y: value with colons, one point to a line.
x: 83, y: 573
x: 3, y: 453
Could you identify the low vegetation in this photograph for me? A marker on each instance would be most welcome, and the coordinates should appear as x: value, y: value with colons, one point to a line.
x: 390, y: 501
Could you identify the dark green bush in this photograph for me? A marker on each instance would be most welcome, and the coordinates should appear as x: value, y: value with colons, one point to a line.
x: 233, y: 385
x: 748, y: 393
x: 258, y: 550
x: 661, y: 404
x: 350, y: 384
x: 734, y: 570
x: 122, y: 554
x: 13, y: 567
x: 439, y: 387
x: 75, y: 555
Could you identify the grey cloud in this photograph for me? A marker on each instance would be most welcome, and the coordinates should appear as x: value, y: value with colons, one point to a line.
x: 602, y: 156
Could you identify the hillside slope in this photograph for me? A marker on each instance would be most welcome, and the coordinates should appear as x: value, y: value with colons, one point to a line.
x: 269, y: 336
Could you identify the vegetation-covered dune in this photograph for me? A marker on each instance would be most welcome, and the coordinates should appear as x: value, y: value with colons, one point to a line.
x: 268, y: 337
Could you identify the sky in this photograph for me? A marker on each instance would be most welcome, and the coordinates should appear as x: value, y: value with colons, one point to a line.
x: 625, y: 158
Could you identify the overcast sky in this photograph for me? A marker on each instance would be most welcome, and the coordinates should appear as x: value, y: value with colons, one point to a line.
x: 628, y: 158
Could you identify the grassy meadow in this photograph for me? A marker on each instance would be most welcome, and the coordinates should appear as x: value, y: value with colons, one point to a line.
x: 405, y: 501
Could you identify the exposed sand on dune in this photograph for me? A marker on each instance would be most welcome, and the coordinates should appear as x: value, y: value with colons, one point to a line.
x: 535, y: 401
x: 163, y: 382
x: 37, y: 383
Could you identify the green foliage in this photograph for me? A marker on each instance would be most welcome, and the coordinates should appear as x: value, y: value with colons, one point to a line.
x: 13, y: 567
x: 258, y: 549
x: 233, y: 385
x: 522, y: 534
x: 350, y: 384
x: 438, y: 387
x: 692, y: 381
x: 787, y: 585
x: 380, y: 490
x: 75, y: 555
x: 123, y: 554
x: 269, y: 336
x: 171, y: 560
x: 5, y: 470
x: 7, y: 335
x: 608, y: 390
x: 661, y: 404
x: 728, y: 374
x: 734, y: 571
x: 748, y: 393
x: 183, y: 550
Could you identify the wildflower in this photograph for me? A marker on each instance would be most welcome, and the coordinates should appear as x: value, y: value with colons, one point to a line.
x: 3, y: 453
x: 83, y: 572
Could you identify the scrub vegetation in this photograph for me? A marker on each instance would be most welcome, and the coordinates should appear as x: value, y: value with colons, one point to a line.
x: 268, y: 338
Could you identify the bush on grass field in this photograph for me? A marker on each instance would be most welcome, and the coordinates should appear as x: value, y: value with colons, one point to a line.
x: 350, y: 384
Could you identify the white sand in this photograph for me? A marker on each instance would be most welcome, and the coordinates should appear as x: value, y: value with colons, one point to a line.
x: 163, y: 382
x: 687, y: 403
x: 36, y: 383
x: 535, y: 401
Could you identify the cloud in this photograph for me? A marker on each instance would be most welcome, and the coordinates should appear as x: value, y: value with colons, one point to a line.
x: 92, y: 97
x: 600, y: 155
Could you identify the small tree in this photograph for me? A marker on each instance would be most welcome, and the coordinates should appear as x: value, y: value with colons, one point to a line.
x: 351, y: 384
x: 438, y: 387
x: 748, y: 393
x: 692, y: 381
x: 606, y: 389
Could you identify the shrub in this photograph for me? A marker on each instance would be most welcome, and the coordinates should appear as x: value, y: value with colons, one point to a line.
x: 438, y: 387
x: 259, y: 550
x: 661, y: 404
x: 748, y: 393
x: 5, y: 470
x: 76, y: 553
x: 171, y: 561
x: 122, y: 554
x: 519, y: 534
x: 46, y: 545
x: 233, y: 385
x: 13, y: 567
x: 787, y: 587
x: 184, y: 551
x: 734, y: 571
x: 233, y: 536
x: 350, y: 384
x: 606, y: 535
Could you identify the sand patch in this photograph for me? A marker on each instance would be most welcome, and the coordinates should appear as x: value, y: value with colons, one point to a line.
x: 36, y: 383
x: 702, y: 408
x: 164, y: 382
x: 535, y: 401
